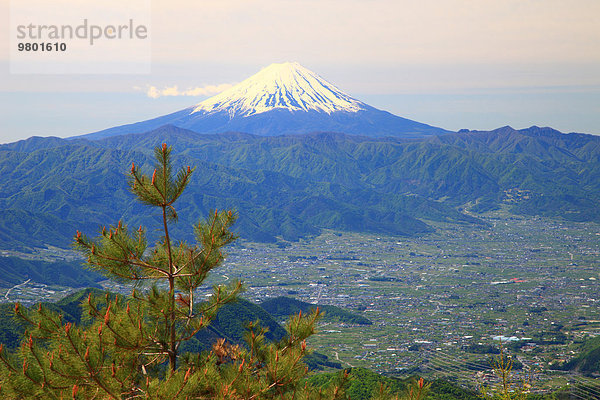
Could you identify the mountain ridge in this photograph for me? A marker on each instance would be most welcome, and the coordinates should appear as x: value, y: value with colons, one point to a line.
x: 288, y: 187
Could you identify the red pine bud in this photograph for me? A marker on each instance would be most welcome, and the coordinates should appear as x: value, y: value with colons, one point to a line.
x: 120, y: 225
x: 187, y: 374
x: 153, y: 177
x: 86, y: 356
x: 241, y: 366
x: 17, y: 308
x: 40, y: 307
x: 24, y: 366
x: 127, y: 310
x: 30, y: 342
x: 276, y: 356
x: 303, y: 345
x: 164, y: 147
x: 100, y: 329
x: 113, y: 370
x: 189, y: 169
x: 132, y: 168
x: 75, y: 390
x: 421, y: 383
x: 1, y: 347
x: 67, y: 327
x: 107, y: 315
x: 110, y: 235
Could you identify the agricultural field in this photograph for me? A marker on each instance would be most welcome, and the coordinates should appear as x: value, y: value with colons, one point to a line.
x: 440, y: 303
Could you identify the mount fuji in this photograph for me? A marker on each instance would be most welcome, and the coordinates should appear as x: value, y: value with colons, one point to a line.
x: 282, y: 99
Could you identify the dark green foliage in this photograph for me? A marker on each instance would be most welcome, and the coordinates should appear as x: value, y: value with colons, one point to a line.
x: 317, y: 181
x: 230, y: 323
x: 232, y: 320
x: 588, y: 361
x: 549, y: 337
x: 130, y: 347
x: 72, y: 306
x: 444, y: 390
x: 482, y: 349
x: 11, y: 329
x: 363, y: 383
x: 21, y: 230
x: 14, y: 270
x: 283, y: 306
x: 318, y: 361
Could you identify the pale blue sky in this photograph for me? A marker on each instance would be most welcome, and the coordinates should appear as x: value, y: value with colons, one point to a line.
x: 450, y: 63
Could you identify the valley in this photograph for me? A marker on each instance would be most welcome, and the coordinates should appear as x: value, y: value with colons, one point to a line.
x: 437, y: 302
x: 436, y: 245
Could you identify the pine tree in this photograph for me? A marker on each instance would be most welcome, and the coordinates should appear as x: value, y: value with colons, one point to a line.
x: 129, y: 347
x: 507, y: 388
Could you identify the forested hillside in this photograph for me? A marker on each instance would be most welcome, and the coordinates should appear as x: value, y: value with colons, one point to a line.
x: 287, y: 187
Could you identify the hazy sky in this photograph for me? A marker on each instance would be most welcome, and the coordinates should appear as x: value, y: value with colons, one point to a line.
x: 476, y: 64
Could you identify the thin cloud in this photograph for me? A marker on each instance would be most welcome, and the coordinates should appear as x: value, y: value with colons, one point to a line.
x: 207, y: 90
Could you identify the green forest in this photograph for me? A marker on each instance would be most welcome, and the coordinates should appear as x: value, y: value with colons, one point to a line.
x: 160, y: 342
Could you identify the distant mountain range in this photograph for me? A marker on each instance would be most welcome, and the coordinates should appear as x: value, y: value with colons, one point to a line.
x: 309, y: 157
x: 282, y: 99
x: 287, y: 187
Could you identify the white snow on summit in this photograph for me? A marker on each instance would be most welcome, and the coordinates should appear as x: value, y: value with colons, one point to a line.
x: 288, y: 86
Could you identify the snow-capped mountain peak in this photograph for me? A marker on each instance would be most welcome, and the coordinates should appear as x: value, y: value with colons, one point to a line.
x: 280, y: 86
x: 282, y: 99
